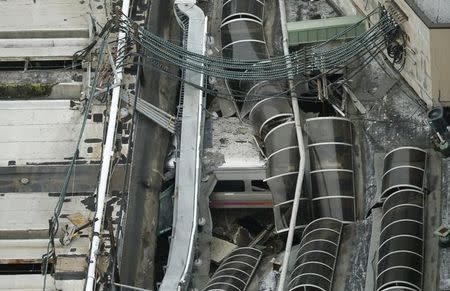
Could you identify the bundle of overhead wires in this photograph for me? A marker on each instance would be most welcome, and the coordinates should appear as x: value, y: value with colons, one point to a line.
x: 318, y: 57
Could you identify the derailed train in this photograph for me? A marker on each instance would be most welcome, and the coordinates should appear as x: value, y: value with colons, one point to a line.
x: 328, y: 200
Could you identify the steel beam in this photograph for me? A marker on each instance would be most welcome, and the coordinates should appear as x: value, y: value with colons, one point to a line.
x: 188, y: 171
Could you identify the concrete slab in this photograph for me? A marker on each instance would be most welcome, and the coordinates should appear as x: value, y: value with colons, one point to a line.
x: 220, y: 249
x: 50, y: 18
x: 31, y: 211
x: 371, y: 273
x: 40, y: 53
x: 34, y: 283
x: 344, y: 258
x: 47, y: 131
x: 46, y: 30
x: 50, y: 178
x: 31, y: 250
x: 444, y: 254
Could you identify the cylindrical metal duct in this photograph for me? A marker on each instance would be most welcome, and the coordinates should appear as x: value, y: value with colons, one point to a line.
x: 400, y: 254
x: 242, y: 35
x: 243, y: 38
x: 233, y: 9
x: 331, y: 167
x: 268, y: 113
x: 316, y: 258
x: 272, y: 120
x: 235, y: 271
x: 404, y: 168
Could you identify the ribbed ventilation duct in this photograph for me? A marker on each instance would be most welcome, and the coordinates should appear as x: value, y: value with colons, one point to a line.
x: 316, y: 259
x: 330, y: 149
x: 404, y: 168
x: 401, y: 250
x: 242, y: 36
x: 400, y: 255
x: 235, y: 271
x: 243, y: 9
x: 272, y: 120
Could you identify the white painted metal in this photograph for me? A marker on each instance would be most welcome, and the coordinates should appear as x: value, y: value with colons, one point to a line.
x: 164, y: 119
x: 301, y: 145
x: 188, y: 169
x: 107, y: 154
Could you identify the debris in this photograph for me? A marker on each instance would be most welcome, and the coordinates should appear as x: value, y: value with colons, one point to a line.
x: 220, y: 249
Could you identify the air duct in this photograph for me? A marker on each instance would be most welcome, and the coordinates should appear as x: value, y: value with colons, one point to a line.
x: 404, y: 168
x: 243, y: 38
x: 272, y: 119
x: 331, y: 167
x: 400, y: 254
x: 235, y: 271
x: 316, y: 258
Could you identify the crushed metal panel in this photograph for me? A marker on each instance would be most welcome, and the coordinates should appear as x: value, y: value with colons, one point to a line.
x: 232, y: 148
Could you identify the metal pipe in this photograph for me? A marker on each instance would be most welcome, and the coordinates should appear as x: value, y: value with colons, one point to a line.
x: 108, y: 151
x: 301, y: 148
x: 131, y: 287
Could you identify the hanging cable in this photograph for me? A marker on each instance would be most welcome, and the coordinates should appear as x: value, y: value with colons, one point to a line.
x: 53, y: 222
x: 317, y: 57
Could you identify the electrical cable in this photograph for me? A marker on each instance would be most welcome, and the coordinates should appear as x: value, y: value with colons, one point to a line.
x: 53, y: 222
x: 314, y: 58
